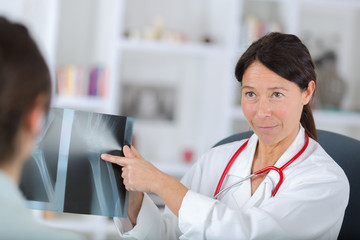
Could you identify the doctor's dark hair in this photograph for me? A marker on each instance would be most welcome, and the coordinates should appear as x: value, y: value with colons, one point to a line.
x: 287, y: 56
x: 24, y: 76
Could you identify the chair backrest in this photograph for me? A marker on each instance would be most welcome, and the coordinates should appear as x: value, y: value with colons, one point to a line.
x: 346, y: 152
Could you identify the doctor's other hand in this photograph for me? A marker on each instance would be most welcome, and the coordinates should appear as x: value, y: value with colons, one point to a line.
x: 139, y: 175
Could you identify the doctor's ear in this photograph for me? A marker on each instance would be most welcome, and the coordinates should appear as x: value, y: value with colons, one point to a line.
x: 308, y: 93
x: 33, y: 118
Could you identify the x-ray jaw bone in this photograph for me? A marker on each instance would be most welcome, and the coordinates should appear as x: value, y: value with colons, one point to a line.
x: 96, y: 143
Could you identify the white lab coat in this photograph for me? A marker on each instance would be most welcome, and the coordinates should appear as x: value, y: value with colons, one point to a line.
x: 310, y: 203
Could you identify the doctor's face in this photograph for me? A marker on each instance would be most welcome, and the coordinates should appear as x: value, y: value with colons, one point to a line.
x: 272, y: 104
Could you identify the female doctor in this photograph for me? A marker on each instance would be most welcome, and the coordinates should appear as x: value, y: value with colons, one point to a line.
x: 300, y: 193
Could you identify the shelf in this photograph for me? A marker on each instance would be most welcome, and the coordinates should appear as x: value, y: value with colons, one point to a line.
x: 332, y: 3
x: 79, y: 103
x: 170, y: 47
x: 337, y: 117
x: 334, y: 117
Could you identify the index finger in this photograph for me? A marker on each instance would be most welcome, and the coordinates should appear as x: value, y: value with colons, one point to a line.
x: 114, y: 159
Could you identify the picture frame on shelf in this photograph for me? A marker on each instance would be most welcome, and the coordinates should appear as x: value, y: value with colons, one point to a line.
x: 149, y: 102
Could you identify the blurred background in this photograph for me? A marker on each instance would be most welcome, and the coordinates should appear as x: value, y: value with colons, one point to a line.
x: 170, y: 65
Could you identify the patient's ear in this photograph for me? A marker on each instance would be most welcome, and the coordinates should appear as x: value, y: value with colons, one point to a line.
x: 33, y: 118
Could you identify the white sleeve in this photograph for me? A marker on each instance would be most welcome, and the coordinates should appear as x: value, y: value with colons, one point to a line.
x: 291, y: 214
x: 151, y: 223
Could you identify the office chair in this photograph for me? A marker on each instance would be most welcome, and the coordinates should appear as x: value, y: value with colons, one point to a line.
x: 346, y: 152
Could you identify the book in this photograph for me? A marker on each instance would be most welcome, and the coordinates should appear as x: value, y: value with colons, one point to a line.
x: 65, y: 172
x: 93, y: 82
x: 80, y: 81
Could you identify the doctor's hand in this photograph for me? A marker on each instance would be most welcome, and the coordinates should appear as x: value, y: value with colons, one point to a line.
x: 139, y: 175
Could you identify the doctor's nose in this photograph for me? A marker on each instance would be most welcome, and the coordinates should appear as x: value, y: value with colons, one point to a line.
x: 263, y: 108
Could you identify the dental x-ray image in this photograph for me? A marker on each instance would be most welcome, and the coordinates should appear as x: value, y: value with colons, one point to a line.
x: 65, y: 172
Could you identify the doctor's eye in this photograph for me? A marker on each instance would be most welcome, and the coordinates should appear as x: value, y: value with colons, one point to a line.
x: 250, y: 94
x: 278, y: 94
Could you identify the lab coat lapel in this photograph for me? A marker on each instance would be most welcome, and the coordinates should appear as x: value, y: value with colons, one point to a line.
x: 265, y: 189
x: 292, y: 150
x: 262, y: 193
x: 242, y: 165
x: 240, y: 169
x: 242, y: 194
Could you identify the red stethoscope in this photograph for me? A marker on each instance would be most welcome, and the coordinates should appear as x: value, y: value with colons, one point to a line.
x: 261, y: 171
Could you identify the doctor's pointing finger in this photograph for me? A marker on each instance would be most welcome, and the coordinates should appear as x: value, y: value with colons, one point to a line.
x: 136, y: 172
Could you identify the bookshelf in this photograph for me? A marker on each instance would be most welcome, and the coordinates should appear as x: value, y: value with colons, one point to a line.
x: 198, y: 69
x: 67, y: 38
x: 87, y: 46
x: 188, y: 55
x: 195, y: 49
x: 88, y: 103
x: 217, y: 32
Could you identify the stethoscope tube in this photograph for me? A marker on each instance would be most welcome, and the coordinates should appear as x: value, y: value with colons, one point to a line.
x: 261, y: 171
x: 232, y: 185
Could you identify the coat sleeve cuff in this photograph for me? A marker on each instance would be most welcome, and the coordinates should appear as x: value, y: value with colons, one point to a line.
x: 193, y: 213
x: 146, y: 221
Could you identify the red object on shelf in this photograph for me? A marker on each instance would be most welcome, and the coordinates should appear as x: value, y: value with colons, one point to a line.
x: 188, y: 155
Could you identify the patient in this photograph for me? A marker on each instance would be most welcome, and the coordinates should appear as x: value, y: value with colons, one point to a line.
x: 25, y: 91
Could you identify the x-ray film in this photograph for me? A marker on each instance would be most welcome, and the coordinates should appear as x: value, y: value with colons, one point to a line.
x: 65, y: 172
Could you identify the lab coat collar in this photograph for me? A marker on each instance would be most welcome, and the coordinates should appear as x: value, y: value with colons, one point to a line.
x: 264, y: 191
x: 242, y: 195
x: 243, y: 168
x: 240, y: 169
x: 292, y: 150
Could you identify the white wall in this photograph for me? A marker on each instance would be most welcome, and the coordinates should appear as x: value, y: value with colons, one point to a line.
x: 40, y: 17
x: 77, y: 32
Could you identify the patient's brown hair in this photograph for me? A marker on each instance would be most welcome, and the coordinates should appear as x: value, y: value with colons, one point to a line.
x: 24, y: 75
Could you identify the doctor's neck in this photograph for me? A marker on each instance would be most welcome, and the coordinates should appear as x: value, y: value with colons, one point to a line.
x: 268, y: 154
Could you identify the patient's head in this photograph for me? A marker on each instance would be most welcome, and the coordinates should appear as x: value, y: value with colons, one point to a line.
x: 25, y: 89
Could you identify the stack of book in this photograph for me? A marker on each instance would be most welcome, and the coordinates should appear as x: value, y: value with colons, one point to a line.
x: 80, y: 81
